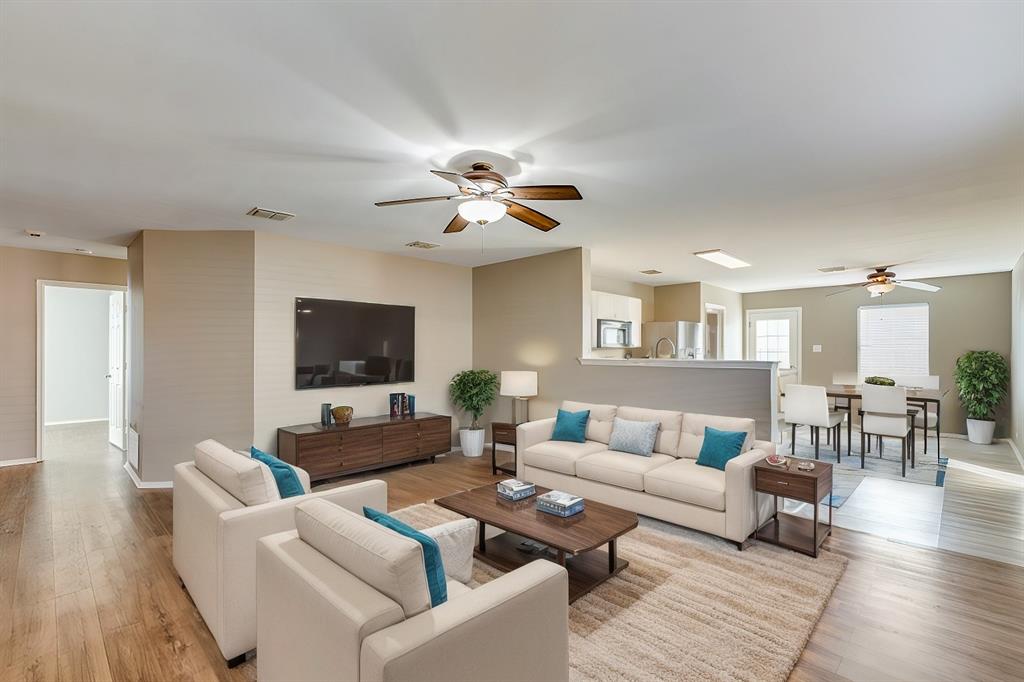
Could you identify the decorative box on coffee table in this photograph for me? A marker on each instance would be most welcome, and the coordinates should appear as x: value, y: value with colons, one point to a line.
x: 787, y: 481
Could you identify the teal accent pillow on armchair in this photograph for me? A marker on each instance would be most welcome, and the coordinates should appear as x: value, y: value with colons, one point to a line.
x: 433, y: 563
x: 571, y: 426
x: 719, y: 447
x: 288, y: 483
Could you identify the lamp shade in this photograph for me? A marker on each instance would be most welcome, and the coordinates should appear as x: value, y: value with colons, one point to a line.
x: 519, y: 384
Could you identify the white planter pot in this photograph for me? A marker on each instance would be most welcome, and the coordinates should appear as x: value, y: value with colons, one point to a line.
x: 472, y: 442
x: 980, y: 431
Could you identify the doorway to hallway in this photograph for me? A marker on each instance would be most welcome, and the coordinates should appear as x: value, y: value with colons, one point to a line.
x: 80, y: 366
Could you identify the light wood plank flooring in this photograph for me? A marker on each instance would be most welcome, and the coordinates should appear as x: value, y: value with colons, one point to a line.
x: 88, y: 592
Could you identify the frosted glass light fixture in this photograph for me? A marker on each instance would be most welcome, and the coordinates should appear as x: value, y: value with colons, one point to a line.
x: 482, y: 211
x: 879, y: 288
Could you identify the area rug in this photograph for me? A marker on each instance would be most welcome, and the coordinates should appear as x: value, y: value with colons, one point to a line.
x: 690, y: 606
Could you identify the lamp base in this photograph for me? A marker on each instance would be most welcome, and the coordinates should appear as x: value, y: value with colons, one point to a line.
x: 520, y: 410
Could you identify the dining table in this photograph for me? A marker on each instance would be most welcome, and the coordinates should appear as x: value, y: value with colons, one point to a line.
x: 921, y: 397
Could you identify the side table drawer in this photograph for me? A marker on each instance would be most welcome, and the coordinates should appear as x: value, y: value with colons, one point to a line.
x: 782, y: 484
x: 503, y: 434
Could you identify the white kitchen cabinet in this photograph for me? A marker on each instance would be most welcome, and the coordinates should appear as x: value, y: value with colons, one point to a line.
x: 608, y: 306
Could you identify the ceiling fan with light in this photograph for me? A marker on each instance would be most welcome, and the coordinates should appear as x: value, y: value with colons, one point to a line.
x: 882, y: 281
x: 486, y: 197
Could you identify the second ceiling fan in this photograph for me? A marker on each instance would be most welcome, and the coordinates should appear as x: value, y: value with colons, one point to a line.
x: 882, y: 281
x: 487, y: 197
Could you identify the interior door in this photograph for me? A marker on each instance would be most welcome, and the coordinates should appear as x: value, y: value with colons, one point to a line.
x: 774, y: 335
x: 115, y: 371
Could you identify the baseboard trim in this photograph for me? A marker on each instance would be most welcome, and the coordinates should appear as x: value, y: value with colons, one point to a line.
x: 146, y: 485
x: 16, y: 462
x: 1016, y: 451
x: 76, y: 421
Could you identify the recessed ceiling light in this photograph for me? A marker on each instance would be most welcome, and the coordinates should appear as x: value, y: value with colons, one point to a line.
x: 269, y: 214
x: 35, y: 233
x: 86, y: 251
x: 650, y: 272
x: 719, y: 257
x: 422, y: 245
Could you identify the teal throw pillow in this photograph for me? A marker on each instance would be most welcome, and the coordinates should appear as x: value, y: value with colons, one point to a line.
x: 571, y: 426
x: 432, y: 562
x: 634, y: 437
x: 288, y: 483
x: 719, y: 447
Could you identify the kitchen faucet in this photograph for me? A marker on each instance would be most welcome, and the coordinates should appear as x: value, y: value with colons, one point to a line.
x: 658, y: 343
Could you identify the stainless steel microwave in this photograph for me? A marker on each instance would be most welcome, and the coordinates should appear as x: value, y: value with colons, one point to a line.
x: 614, y: 334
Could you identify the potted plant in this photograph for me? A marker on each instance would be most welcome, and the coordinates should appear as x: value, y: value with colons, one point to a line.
x: 473, y: 390
x: 981, y: 377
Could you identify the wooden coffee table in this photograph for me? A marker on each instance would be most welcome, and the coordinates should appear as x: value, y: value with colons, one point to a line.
x: 575, y: 539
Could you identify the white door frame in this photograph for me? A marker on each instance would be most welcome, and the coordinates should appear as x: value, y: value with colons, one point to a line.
x: 720, y: 311
x: 799, y: 334
x: 41, y: 285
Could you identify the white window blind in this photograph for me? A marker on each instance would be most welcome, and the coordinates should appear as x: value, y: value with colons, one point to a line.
x: 892, y: 340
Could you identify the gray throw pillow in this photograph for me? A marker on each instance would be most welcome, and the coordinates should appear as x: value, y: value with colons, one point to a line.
x: 636, y: 438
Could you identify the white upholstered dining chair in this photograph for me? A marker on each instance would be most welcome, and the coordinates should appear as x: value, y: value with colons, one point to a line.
x: 884, y: 414
x: 808, y: 406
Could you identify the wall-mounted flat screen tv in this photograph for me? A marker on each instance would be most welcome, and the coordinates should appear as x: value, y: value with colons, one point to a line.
x: 346, y: 343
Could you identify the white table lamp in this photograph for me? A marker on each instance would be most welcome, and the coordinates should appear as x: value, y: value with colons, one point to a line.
x: 520, y: 385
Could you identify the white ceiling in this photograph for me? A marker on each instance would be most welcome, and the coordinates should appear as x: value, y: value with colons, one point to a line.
x: 791, y: 135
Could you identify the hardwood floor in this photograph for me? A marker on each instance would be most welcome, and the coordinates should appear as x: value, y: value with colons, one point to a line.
x: 88, y: 592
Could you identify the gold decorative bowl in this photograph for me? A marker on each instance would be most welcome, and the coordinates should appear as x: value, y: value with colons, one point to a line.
x: 342, y: 414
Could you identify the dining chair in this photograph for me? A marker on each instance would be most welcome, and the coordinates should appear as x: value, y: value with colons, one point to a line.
x: 924, y: 419
x: 808, y: 406
x: 883, y: 413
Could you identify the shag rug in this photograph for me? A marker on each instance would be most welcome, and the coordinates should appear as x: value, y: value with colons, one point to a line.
x: 689, y: 606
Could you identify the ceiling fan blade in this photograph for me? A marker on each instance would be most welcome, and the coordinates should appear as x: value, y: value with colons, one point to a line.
x: 396, y: 202
x: 846, y: 287
x: 920, y: 286
x: 555, y: 192
x: 458, y: 180
x: 458, y: 224
x: 531, y: 217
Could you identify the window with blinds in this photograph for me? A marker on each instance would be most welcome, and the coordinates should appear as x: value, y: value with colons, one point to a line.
x: 892, y: 340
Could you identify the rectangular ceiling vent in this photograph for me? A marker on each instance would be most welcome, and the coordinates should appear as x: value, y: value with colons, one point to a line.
x: 650, y: 272
x: 270, y: 215
x: 833, y: 268
x: 422, y: 245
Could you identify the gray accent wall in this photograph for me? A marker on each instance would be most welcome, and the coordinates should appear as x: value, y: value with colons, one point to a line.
x: 1017, y: 354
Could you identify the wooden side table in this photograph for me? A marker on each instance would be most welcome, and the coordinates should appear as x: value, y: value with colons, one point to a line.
x: 504, y: 433
x: 786, y: 481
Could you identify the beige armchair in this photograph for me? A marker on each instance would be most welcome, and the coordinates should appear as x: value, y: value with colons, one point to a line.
x: 223, y: 504
x: 343, y: 598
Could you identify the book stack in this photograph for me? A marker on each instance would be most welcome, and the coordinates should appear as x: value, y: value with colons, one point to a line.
x: 513, y: 490
x: 559, y: 503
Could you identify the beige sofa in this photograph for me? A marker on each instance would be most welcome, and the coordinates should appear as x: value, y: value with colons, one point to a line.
x: 669, y: 485
x: 223, y: 503
x: 343, y: 598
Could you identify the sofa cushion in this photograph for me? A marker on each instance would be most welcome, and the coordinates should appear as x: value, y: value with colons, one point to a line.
x: 390, y: 563
x: 633, y: 437
x: 559, y: 456
x: 692, y: 437
x: 684, y: 480
x: 671, y: 423
x: 247, y: 480
x: 619, y: 468
x: 599, y: 427
x: 571, y: 427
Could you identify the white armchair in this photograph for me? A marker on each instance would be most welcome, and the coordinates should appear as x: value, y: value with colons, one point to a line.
x: 215, y: 536
x: 330, y: 610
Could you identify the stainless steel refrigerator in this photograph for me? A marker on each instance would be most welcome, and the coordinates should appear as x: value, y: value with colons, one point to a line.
x: 687, y: 338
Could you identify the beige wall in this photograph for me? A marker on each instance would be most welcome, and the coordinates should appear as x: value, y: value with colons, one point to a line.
x: 971, y: 312
x: 528, y: 314
x: 19, y: 271
x: 197, y: 344
x: 732, y: 301
x: 136, y: 338
x: 1017, y: 354
x: 288, y: 268
x: 678, y: 302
